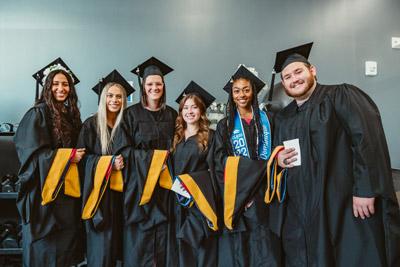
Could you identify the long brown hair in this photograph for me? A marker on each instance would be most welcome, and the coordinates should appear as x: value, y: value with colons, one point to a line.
x: 66, y: 118
x: 204, y: 124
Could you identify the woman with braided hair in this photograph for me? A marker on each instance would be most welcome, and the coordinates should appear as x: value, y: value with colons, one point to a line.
x: 245, y: 133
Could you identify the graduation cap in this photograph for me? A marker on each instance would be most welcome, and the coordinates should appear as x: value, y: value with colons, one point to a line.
x: 115, y: 77
x: 152, y: 66
x: 194, y: 88
x: 243, y: 72
x: 285, y: 57
x: 41, y: 75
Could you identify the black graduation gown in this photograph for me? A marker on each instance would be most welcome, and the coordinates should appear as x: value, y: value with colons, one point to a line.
x: 250, y: 243
x: 52, y: 234
x: 104, y: 229
x: 187, y: 158
x: 343, y: 153
x: 149, y: 242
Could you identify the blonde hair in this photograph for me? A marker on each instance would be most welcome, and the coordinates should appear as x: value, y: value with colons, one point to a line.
x: 204, y: 124
x: 106, y: 138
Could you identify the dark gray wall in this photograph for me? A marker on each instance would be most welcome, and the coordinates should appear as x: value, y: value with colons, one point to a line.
x: 203, y: 40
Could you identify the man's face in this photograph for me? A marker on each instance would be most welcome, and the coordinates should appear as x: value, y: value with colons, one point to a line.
x: 298, y: 80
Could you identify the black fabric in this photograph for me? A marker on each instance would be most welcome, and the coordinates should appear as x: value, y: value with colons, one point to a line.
x: 243, y: 72
x: 104, y: 230
x: 150, y: 131
x: 295, y: 54
x: 39, y: 75
x: 114, y: 77
x: 255, y: 173
x: 149, y: 234
x: 188, y: 157
x: 56, y: 227
x: 152, y: 66
x: 194, y: 88
x: 343, y: 154
x: 250, y: 243
x: 153, y: 213
x: 197, y: 243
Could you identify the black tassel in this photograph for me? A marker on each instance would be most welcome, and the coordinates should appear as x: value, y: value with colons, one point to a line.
x: 140, y: 84
x: 37, y: 88
x: 271, y: 91
x: 99, y: 89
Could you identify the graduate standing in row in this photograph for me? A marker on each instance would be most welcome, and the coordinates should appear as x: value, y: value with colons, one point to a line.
x: 149, y: 238
x: 341, y: 208
x: 246, y: 134
x: 103, y: 139
x: 49, y: 199
x: 192, y: 156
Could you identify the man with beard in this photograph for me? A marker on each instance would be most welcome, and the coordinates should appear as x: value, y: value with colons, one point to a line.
x: 341, y: 209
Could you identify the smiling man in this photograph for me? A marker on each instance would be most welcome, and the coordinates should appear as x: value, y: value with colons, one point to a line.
x: 341, y: 209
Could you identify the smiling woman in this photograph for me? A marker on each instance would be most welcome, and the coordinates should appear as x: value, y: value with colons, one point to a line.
x: 114, y: 99
x: 154, y: 91
x: 45, y: 141
x: 245, y: 134
x: 150, y: 123
x: 192, y: 163
x: 60, y: 87
x: 103, y: 138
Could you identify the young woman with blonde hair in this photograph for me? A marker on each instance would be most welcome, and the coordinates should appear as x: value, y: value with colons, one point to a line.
x: 104, y: 139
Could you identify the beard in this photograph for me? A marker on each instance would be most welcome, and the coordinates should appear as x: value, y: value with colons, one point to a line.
x: 309, y: 84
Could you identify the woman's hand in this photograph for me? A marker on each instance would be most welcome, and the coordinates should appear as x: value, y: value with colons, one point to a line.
x: 118, y: 163
x: 363, y: 207
x: 286, y: 157
x: 80, y: 152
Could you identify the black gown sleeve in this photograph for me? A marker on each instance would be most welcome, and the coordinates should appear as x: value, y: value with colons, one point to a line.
x: 35, y: 153
x: 147, y: 133
x: 220, y: 154
x: 362, y: 122
x: 89, y: 140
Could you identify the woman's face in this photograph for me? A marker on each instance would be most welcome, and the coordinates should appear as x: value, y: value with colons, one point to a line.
x: 154, y: 87
x: 191, y: 112
x: 242, y: 93
x: 60, y: 87
x: 114, y: 99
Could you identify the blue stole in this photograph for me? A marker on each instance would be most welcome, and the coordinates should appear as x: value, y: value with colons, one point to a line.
x: 238, y: 138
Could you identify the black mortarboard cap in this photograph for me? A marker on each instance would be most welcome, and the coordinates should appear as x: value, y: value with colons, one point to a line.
x: 243, y: 72
x: 115, y: 77
x: 194, y: 88
x: 285, y: 57
x: 294, y: 54
x: 152, y: 66
x: 54, y: 65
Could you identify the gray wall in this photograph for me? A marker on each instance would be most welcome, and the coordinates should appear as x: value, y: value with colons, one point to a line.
x: 203, y: 40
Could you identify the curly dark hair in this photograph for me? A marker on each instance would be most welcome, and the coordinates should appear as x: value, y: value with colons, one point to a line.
x: 66, y: 118
x: 230, y: 114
